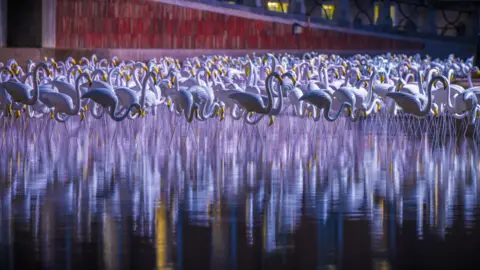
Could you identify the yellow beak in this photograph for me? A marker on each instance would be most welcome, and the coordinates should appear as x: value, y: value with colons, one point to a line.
x: 82, y: 116
x: 272, y: 121
x: 435, y: 112
x: 85, y: 108
x: 169, y: 102
x: 18, y: 114
x: 52, y: 115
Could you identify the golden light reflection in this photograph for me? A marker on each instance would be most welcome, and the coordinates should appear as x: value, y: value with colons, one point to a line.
x: 161, y: 236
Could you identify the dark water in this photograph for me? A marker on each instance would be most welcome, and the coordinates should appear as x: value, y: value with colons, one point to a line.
x: 216, y: 196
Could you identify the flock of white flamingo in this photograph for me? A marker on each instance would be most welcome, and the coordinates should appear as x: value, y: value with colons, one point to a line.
x: 244, y: 88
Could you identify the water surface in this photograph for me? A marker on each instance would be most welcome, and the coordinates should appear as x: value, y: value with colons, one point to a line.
x: 150, y: 195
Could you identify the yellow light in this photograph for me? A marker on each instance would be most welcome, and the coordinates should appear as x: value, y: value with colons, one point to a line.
x: 376, y: 12
x: 327, y: 12
x: 277, y: 7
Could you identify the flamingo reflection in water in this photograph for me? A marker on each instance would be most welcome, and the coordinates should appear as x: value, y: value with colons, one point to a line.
x: 354, y: 177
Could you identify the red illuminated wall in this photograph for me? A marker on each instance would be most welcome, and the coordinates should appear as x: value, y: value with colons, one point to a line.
x: 144, y: 24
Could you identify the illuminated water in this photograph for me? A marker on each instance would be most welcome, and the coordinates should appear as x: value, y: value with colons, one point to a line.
x: 216, y: 196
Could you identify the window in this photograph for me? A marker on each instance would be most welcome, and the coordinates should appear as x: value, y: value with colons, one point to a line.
x: 327, y: 11
x: 393, y: 13
x: 277, y: 6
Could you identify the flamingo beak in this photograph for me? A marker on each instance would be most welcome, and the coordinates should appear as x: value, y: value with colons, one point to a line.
x: 85, y: 108
x: 222, y: 116
x: 294, y: 81
x: 309, y: 114
x: 477, y: 115
x: 400, y: 86
x: 52, y: 115
x: 11, y: 72
x: 358, y: 77
x: 379, y: 107
x: 445, y: 86
x: 336, y: 74
x: 349, y: 112
x: 365, y: 84
x: 343, y: 72
x: 156, y: 70
x: 209, y: 74
x: 365, y: 114
x: 89, y: 81
x: 154, y: 79
x: 17, y: 114
x: 169, y: 102
x: 272, y: 121
x: 382, y: 78
x: 435, y: 112
x: 308, y: 75
x: 74, y: 62
x: 24, y: 108
x: 143, y: 113
x: 104, y: 78
x: 82, y: 116
x: 217, y: 112
x: 251, y: 114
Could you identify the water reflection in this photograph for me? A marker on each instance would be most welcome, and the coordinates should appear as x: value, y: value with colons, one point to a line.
x: 231, y: 199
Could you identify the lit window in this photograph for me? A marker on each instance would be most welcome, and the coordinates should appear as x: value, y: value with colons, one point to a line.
x: 327, y: 11
x: 393, y: 13
x: 278, y: 7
